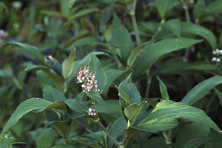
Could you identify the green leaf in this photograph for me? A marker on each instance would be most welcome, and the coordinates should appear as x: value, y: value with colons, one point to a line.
x: 201, y: 89
x: 34, y: 51
x: 63, y: 146
x: 198, y: 131
x: 111, y: 75
x: 194, y: 29
x: 34, y: 104
x: 62, y: 128
x: 215, y: 141
x: 52, y: 94
x: 68, y: 65
x: 133, y: 110
x: 153, y: 102
x: 53, y: 64
x: 64, y: 7
x: 164, y: 7
x: 76, y: 109
x: 96, y: 96
x: 151, y: 55
x: 87, y: 141
x: 116, y: 129
x: 166, y: 114
x: 95, y: 66
x: 199, y: 9
x: 83, y: 12
x: 45, y: 137
x: 56, y: 79
x: 194, y: 143
x: 174, y: 26
x: 219, y: 94
x: 129, y: 92
x: 121, y: 37
x: 72, y: 2
x: 112, y: 108
x: 163, y: 89
x: 60, y: 105
x: 55, y: 14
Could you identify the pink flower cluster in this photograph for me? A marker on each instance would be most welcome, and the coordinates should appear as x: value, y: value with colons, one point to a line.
x: 92, y: 112
x: 88, y: 79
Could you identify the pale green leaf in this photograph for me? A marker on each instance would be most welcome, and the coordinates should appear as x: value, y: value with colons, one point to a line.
x: 201, y: 89
x: 166, y: 116
x: 68, y: 65
x: 174, y: 26
x: 72, y: 2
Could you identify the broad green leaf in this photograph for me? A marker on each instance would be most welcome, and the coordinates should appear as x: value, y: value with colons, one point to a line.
x: 190, y: 132
x: 215, y: 141
x: 151, y: 55
x: 121, y: 37
x: 129, y: 89
x: 34, y: 51
x: 129, y: 132
x: 194, y: 29
x: 62, y: 128
x: 194, y: 143
x: 72, y: 2
x: 152, y: 101
x: 219, y: 94
x: 83, y: 12
x: 105, y: 15
x: 95, y: 66
x: 174, y: 26
x: 201, y: 89
x: 45, y: 137
x: 111, y: 75
x: 163, y: 89
x: 53, y: 64
x: 56, y: 79
x: 23, y: 108
x: 166, y: 114
x: 100, y: 137
x: 199, y: 9
x: 96, y: 96
x: 60, y: 105
x: 76, y: 109
x: 52, y: 94
x: 133, y: 110
x: 112, y: 107
x: 91, y: 41
x: 116, y: 129
x: 68, y: 65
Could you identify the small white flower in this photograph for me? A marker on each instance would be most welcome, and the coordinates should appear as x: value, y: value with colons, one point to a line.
x: 218, y: 59
x: 214, y: 59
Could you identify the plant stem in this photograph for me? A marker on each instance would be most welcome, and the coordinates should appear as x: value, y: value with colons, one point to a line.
x: 102, y: 126
x: 108, y: 134
x: 136, y: 31
x: 167, y: 138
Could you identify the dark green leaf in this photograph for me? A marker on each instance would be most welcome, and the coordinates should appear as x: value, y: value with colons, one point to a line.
x: 76, y: 109
x: 96, y: 96
x: 54, y: 65
x: 163, y: 89
x: 174, y: 26
x: 62, y: 128
x: 151, y: 55
x: 201, y: 89
x: 34, y: 51
x: 121, y: 37
x: 68, y: 65
x: 219, y: 94
x: 52, y: 94
x: 194, y: 143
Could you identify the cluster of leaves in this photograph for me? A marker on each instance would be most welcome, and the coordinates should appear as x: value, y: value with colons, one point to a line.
x: 136, y: 49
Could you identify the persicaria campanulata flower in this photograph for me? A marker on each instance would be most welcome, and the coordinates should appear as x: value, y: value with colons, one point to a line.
x: 88, y: 79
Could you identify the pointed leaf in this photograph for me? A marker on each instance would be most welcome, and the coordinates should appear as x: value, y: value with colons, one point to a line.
x: 151, y: 55
x: 121, y: 37
x: 95, y: 66
x: 56, y: 79
x: 62, y: 128
x: 52, y: 94
x: 219, y: 94
x: 166, y: 114
x: 194, y: 143
x: 54, y: 64
x: 194, y: 29
x: 174, y: 26
x: 96, y: 96
x: 23, y: 108
x: 34, y: 51
x: 163, y: 89
x: 76, y: 109
x: 201, y: 89
x: 68, y: 65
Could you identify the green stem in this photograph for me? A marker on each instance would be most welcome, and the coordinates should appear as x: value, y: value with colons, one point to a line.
x: 109, y: 135
x: 167, y: 138
x: 102, y: 126
x: 158, y: 30
x: 136, y: 31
